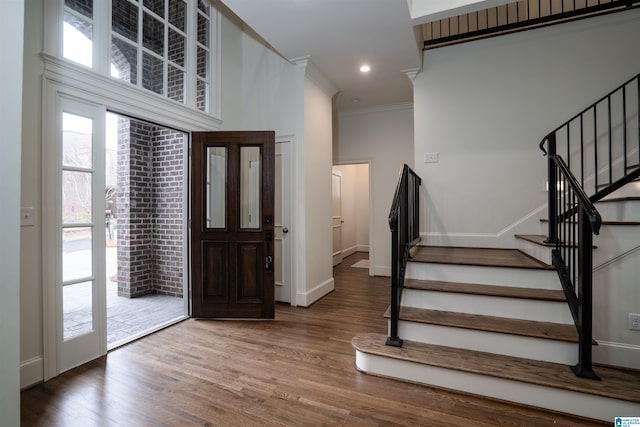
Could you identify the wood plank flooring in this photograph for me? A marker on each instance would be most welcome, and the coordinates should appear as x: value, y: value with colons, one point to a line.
x: 296, y: 370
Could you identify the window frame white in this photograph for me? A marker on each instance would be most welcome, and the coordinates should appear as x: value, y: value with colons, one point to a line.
x: 54, y: 38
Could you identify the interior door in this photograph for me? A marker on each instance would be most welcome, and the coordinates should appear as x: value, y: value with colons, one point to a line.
x: 232, y: 224
x: 282, y: 258
x: 336, y: 219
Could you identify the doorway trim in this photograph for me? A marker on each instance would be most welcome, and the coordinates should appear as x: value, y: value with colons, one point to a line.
x: 371, y: 199
x: 295, y: 235
x: 62, y: 79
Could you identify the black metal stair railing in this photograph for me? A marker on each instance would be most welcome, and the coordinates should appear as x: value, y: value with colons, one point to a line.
x: 600, y: 149
x: 577, y: 220
x: 404, y: 219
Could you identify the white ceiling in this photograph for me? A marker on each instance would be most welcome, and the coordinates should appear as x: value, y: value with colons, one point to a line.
x: 341, y: 35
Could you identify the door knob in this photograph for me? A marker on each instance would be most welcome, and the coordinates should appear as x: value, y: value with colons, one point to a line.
x: 285, y: 230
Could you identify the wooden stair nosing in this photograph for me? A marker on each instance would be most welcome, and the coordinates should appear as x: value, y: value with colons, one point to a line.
x: 545, y: 220
x: 539, y: 239
x: 501, y: 325
x: 478, y: 257
x: 486, y: 290
x: 620, y: 199
x: 618, y: 384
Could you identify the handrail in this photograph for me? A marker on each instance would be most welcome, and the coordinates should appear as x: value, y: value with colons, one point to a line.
x: 577, y: 220
x: 597, y: 147
x: 404, y: 218
x: 602, y: 133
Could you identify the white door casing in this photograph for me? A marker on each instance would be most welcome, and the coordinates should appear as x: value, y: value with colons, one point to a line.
x: 282, y: 243
x: 336, y: 218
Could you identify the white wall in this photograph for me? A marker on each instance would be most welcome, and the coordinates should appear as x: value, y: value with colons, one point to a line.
x: 31, y: 319
x: 484, y: 106
x: 317, y: 161
x: 384, y: 137
x: 355, y: 208
x: 11, y: 38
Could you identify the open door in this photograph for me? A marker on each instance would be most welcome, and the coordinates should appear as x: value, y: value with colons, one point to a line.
x: 232, y: 224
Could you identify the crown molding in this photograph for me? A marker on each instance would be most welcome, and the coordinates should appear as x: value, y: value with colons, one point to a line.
x: 314, y: 73
x: 378, y: 109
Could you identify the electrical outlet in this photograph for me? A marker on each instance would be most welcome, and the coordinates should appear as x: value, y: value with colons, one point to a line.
x: 634, y: 321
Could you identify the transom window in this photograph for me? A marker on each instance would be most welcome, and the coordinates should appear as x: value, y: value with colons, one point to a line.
x: 164, y: 46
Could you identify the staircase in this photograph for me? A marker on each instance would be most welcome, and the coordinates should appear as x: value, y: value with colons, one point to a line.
x: 494, y: 322
x: 515, y: 324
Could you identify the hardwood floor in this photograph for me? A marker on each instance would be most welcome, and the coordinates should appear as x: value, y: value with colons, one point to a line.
x: 295, y: 370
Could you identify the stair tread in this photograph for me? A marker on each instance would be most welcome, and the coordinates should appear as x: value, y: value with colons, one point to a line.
x: 538, y: 239
x: 487, y: 290
x: 616, y: 383
x: 619, y: 199
x: 608, y: 222
x: 479, y: 322
x: 482, y: 257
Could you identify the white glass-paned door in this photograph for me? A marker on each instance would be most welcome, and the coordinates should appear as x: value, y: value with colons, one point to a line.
x: 80, y: 291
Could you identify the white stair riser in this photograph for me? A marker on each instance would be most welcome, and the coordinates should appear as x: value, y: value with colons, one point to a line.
x: 566, y: 401
x: 516, y: 277
x: 620, y: 211
x: 539, y: 252
x: 490, y: 342
x: 630, y: 190
x: 514, y: 308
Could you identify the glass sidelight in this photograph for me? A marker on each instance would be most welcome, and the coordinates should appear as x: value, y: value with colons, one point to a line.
x: 77, y: 225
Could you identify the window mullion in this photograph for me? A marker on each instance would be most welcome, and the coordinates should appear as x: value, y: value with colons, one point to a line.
x: 165, y: 66
x: 101, y: 29
x: 190, y: 60
x: 140, y: 53
x: 215, y: 47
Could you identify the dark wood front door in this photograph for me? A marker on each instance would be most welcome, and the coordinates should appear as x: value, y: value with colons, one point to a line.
x: 232, y: 224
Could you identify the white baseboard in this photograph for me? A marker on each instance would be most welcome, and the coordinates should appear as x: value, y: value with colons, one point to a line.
x: 617, y: 354
x: 305, y: 299
x: 349, y: 251
x: 382, y: 270
x: 505, y: 238
x: 31, y: 372
x: 362, y: 248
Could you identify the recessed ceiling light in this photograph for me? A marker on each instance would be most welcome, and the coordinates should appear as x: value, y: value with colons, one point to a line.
x: 355, y: 100
x: 365, y: 68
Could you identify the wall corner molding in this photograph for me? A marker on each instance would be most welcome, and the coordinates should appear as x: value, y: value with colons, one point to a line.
x: 314, y: 73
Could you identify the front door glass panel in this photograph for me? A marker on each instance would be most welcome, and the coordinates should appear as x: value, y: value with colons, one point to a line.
x: 216, y: 194
x: 250, y: 187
